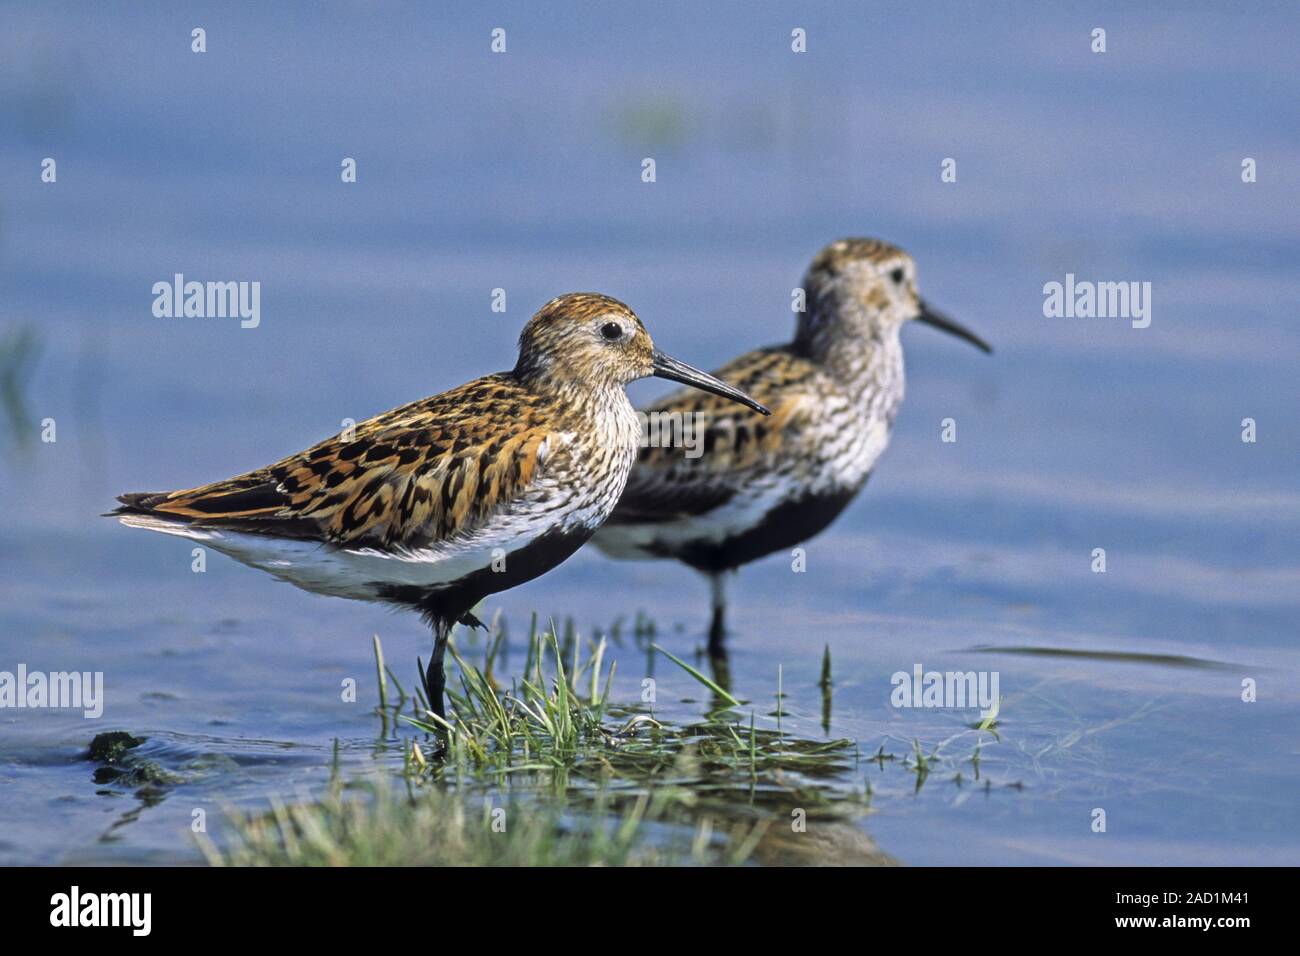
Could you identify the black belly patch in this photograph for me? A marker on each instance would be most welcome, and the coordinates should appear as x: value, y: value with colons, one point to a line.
x: 452, y: 601
x: 785, y: 526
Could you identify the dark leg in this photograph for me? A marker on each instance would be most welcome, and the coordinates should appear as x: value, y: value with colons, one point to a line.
x: 435, y: 677
x: 718, y: 661
x: 720, y: 665
x: 718, y: 627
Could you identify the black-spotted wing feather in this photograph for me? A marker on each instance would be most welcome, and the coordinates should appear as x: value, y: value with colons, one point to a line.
x: 415, y: 475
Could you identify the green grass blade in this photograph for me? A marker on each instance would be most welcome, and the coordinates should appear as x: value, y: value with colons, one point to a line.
x: 731, y: 701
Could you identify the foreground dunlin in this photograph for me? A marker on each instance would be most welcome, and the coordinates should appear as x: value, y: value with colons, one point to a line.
x: 439, y: 503
x: 765, y: 486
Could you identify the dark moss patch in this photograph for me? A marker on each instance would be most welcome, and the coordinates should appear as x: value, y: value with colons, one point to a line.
x: 137, y: 774
x: 112, y: 746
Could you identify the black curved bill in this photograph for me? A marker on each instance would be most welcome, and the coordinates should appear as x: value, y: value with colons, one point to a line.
x: 931, y: 316
x: 665, y: 366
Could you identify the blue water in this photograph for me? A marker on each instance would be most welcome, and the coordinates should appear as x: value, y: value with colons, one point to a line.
x: 522, y: 171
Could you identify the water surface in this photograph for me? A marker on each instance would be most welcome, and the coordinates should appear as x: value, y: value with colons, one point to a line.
x: 1122, y: 690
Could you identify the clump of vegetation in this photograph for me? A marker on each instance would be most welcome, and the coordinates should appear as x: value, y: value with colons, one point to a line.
x: 20, y: 349
x: 121, y: 766
x: 550, y: 770
x: 556, y: 729
x: 371, y: 824
x: 112, y: 746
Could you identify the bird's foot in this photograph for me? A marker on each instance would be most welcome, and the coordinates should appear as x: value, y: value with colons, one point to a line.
x: 469, y: 620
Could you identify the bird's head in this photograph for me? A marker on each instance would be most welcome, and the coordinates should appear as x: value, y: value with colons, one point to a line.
x: 585, y: 340
x: 866, y: 289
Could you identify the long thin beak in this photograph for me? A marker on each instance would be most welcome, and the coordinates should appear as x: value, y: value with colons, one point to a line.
x: 931, y: 316
x: 665, y: 366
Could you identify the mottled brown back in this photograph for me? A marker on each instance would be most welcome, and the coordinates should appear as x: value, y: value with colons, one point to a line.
x: 412, y: 476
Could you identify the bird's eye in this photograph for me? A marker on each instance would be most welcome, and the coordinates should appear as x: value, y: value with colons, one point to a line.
x: 612, y: 331
x: 898, y: 275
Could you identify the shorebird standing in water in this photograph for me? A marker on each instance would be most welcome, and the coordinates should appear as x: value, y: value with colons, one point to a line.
x: 765, y: 486
x: 439, y: 503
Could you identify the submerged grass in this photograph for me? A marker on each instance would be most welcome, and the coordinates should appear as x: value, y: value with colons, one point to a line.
x: 372, y: 824
x: 551, y: 770
x: 556, y: 727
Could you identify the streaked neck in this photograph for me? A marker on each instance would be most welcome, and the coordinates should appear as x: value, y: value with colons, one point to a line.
x: 863, y: 353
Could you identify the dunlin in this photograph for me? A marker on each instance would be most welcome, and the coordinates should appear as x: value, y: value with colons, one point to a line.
x: 439, y: 503
x: 765, y: 486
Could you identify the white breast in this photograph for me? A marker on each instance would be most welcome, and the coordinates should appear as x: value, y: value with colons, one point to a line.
x: 835, y: 452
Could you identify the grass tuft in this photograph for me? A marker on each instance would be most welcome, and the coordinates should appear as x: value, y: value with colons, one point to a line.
x: 550, y: 769
x: 371, y: 824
